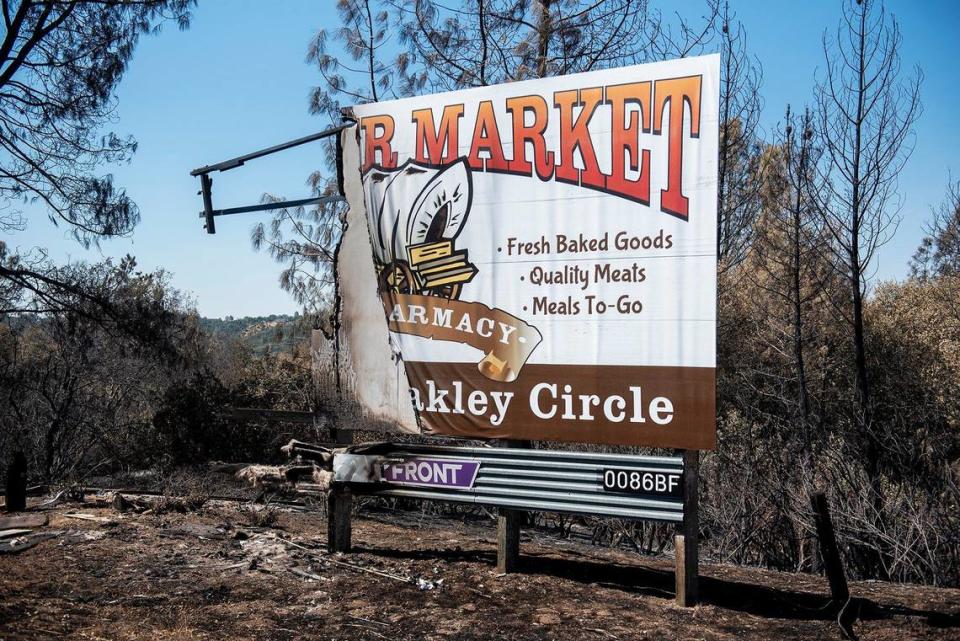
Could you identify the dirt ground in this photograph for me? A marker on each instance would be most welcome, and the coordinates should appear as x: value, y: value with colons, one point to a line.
x: 213, y: 575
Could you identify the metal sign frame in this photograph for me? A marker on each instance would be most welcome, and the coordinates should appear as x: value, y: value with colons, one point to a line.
x: 206, y: 182
x: 538, y: 480
x: 516, y: 480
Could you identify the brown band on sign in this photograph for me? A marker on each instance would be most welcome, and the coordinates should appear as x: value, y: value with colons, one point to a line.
x: 505, y: 340
x: 673, y: 407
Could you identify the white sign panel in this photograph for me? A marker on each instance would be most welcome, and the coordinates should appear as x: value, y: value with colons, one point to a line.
x: 545, y: 254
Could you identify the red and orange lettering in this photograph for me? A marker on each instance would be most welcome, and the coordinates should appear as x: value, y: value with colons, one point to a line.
x: 575, y: 135
x: 523, y: 133
x: 676, y: 92
x: 486, y: 137
x: 625, y: 137
x: 377, y: 134
x: 436, y: 141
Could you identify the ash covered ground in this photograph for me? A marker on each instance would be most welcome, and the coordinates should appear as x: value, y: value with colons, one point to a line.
x: 228, y: 571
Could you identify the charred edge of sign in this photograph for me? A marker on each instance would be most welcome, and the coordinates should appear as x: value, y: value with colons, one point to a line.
x: 347, y: 116
x: 337, y: 313
x: 336, y: 316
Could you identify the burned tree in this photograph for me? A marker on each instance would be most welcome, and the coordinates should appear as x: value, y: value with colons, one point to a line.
x: 939, y: 251
x: 775, y: 362
x: 864, y: 118
x: 787, y: 262
x: 865, y: 114
x: 738, y: 193
x: 493, y: 41
x: 484, y: 42
x: 353, y: 70
x: 60, y: 63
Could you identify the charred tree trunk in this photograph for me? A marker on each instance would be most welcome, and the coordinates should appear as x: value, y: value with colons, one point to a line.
x: 16, y: 490
x: 866, y: 118
x: 544, y: 33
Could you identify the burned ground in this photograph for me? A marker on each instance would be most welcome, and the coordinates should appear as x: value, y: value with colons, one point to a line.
x: 227, y: 573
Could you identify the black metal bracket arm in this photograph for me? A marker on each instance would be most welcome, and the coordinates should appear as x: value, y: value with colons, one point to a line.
x: 335, y: 198
x: 206, y: 182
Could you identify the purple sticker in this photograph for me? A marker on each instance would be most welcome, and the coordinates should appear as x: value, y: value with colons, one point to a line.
x: 422, y: 471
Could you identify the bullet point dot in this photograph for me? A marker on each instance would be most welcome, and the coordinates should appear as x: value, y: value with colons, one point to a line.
x: 521, y: 278
x: 499, y: 249
x: 524, y: 308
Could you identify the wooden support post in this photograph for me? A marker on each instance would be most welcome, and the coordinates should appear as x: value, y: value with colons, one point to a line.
x: 686, y: 540
x: 829, y: 552
x: 16, y: 494
x: 508, y: 540
x: 508, y: 527
x: 341, y: 437
x: 339, y: 506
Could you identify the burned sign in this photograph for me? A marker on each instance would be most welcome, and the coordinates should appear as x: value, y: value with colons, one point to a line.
x: 405, y: 470
x: 531, y: 261
x: 539, y: 257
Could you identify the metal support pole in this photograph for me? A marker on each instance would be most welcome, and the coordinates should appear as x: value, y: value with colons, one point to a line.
x: 508, y: 528
x: 206, y: 185
x: 239, y: 161
x: 686, y: 540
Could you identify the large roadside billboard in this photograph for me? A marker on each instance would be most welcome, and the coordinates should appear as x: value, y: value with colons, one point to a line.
x: 537, y: 260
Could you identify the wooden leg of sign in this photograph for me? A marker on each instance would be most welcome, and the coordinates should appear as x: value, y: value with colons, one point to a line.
x: 341, y: 437
x: 508, y: 540
x: 686, y: 540
x: 339, y: 506
x: 508, y: 527
x: 16, y: 483
x: 829, y: 551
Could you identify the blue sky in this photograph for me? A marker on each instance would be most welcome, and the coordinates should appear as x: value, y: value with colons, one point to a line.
x: 238, y: 81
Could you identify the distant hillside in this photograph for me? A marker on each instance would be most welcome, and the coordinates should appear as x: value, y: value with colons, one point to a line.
x: 274, y: 333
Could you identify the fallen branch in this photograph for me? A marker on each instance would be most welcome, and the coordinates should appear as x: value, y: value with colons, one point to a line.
x: 308, y: 575
x: 353, y: 616
x: 357, y: 625
x: 21, y: 543
x: 359, y: 568
x: 603, y: 632
x: 309, y: 452
x: 23, y: 521
x: 88, y: 517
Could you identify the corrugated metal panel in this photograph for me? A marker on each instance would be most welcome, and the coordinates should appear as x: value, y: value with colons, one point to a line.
x: 549, y: 481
